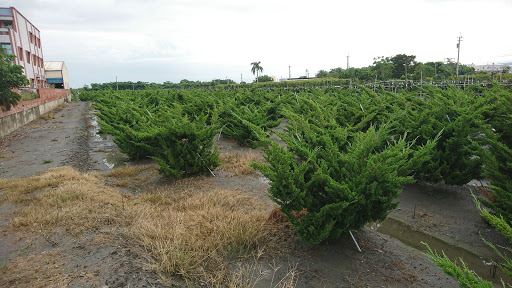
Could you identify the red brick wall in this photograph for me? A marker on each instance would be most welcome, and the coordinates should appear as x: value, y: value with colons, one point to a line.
x: 45, y: 95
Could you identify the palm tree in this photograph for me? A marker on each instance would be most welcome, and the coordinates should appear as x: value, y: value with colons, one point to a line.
x: 256, y: 68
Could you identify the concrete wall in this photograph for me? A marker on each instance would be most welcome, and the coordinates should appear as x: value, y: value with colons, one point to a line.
x: 53, y: 74
x: 65, y: 75
x: 28, y: 111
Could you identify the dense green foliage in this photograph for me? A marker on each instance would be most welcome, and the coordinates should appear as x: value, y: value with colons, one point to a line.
x: 338, y: 185
x: 264, y: 78
x: 397, y: 67
x: 458, y: 156
x: 498, y: 164
x: 140, y: 85
x: 157, y: 126
x: 11, y: 76
x: 338, y: 171
x: 260, y: 108
x: 494, y: 112
x: 348, y: 151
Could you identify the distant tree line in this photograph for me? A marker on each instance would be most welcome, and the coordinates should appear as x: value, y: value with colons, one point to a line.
x: 382, y: 69
x: 140, y: 85
x: 396, y: 67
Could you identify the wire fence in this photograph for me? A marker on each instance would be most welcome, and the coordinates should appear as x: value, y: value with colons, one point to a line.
x: 396, y: 85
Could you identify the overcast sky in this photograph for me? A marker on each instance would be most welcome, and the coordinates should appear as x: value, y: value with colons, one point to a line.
x: 170, y: 40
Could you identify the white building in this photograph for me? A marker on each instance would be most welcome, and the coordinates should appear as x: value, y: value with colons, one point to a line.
x: 57, y: 74
x: 21, y: 38
x: 493, y: 68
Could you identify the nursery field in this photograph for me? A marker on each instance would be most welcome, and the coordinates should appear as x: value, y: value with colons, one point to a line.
x: 344, y: 154
x: 264, y: 187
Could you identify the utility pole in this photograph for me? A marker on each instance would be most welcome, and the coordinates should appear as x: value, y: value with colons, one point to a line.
x: 405, y: 76
x: 348, y: 56
x: 241, y: 78
x: 458, y: 54
x: 117, y: 86
x: 289, y: 72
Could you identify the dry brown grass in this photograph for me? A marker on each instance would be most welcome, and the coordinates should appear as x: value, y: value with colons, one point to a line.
x: 123, y: 183
x: 238, y: 163
x: 20, y: 190
x: 132, y: 176
x: 37, y: 271
x: 62, y: 197
x: 187, y: 228
x: 192, y: 230
x: 256, y: 274
x: 128, y: 171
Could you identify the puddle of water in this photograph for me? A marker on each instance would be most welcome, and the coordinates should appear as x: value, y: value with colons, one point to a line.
x: 412, y: 238
x: 95, y: 129
x: 115, y: 159
x: 264, y: 180
x: 101, y: 144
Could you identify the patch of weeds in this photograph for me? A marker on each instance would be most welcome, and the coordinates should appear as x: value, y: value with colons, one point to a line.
x: 47, y: 161
x: 3, y: 265
x: 68, y: 196
x: 27, y: 95
x: 48, y: 116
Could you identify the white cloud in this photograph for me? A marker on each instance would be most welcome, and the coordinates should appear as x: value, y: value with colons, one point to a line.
x: 160, y: 40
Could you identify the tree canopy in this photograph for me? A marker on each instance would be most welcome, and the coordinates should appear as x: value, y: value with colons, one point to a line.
x: 386, y: 68
x: 12, y: 77
x: 256, y: 68
x: 264, y: 78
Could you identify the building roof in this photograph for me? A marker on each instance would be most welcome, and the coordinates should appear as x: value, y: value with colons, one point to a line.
x: 54, y: 65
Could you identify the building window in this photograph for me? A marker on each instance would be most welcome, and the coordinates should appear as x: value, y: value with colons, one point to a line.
x: 28, y: 57
x: 7, y: 47
x: 20, y: 53
x: 5, y: 11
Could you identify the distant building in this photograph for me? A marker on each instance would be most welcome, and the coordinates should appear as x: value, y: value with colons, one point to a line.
x: 19, y: 37
x: 57, y: 74
x: 494, y: 68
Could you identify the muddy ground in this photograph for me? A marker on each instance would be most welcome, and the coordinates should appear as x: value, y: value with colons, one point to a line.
x: 391, y: 256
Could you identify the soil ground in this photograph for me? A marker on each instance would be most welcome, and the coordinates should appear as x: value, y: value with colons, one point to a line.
x: 391, y: 256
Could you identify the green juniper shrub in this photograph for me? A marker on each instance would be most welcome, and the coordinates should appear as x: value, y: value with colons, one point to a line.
x: 185, y: 148
x: 338, y: 185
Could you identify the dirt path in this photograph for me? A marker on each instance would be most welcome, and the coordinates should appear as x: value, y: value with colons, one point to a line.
x: 60, y: 140
x: 95, y: 260
x: 33, y: 258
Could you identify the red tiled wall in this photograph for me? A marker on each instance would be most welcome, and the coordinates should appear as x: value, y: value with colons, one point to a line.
x: 45, y: 95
